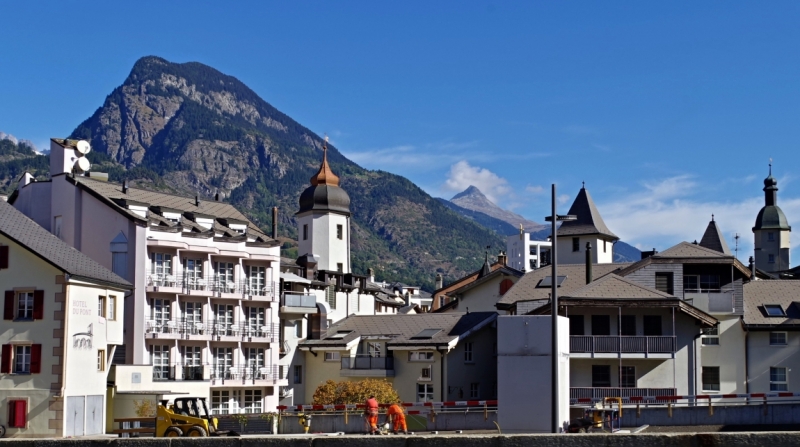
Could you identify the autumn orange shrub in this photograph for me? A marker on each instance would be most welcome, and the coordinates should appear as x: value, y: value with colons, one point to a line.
x: 355, y: 392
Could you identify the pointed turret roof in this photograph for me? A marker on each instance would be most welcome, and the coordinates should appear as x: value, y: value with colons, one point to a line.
x: 771, y: 217
x: 325, y: 175
x: 588, y: 220
x: 713, y: 238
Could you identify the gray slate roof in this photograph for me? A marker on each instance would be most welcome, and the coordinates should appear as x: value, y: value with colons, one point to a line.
x: 112, y: 192
x: 783, y: 292
x: 401, y: 328
x: 29, y: 234
x: 612, y: 286
x: 714, y: 239
x: 589, y: 220
x: 689, y: 250
x: 526, y: 287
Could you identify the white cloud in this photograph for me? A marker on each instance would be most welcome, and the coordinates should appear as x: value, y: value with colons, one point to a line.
x: 665, y: 213
x: 563, y: 198
x: 534, y: 189
x: 462, y: 175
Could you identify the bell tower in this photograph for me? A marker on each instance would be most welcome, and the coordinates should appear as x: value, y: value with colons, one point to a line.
x: 323, y: 221
x: 771, y: 231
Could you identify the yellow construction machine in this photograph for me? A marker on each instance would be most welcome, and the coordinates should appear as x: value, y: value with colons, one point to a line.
x: 187, y: 416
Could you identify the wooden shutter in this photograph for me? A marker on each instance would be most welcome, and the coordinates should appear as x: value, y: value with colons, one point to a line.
x: 38, y: 304
x: 505, y: 285
x: 17, y: 413
x: 4, y: 257
x: 5, y: 364
x: 8, y: 305
x: 36, y: 359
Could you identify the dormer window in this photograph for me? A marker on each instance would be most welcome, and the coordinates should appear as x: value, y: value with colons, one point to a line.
x: 774, y: 310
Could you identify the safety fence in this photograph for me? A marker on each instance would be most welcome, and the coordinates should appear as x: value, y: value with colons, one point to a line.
x: 666, y: 399
x: 434, y: 405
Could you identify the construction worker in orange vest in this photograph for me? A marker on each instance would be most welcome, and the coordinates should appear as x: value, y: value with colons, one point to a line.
x: 371, y: 413
x: 398, y: 417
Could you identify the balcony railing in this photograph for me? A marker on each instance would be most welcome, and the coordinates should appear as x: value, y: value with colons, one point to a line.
x: 713, y: 301
x: 298, y: 299
x: 366, y: 362
x: 248, y: 374
x: 603, y: 392
x: 188, y: 329
x: 595, y: 344
x: 212, y: 284
x: 218, y: 373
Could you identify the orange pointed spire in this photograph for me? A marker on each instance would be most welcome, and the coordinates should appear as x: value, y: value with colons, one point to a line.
x: 325, y: 175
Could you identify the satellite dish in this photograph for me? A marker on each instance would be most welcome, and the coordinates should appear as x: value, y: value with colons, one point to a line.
x: 83, y: 147
x: 82, y: 165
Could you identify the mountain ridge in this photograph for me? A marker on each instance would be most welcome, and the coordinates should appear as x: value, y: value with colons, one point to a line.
x: 474, y: 199
x: 190, y: 129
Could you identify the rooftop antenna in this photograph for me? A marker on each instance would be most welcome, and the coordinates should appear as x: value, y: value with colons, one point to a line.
x: 770, y: 165
x: 736, y: 250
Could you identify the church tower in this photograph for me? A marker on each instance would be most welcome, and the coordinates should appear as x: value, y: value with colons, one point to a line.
x: 771, y: 231
x: 323, y: 221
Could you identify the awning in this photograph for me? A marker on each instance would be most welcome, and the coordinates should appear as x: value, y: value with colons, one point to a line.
x: 291, y: 277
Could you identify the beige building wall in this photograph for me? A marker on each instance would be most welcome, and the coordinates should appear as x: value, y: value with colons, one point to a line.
x: 71, y: 333
x: 729, y: 356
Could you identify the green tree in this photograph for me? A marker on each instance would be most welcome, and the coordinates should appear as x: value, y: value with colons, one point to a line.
x: 355, y: 392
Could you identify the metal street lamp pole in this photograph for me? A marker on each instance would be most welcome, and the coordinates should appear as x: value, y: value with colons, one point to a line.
x: 554, y: 306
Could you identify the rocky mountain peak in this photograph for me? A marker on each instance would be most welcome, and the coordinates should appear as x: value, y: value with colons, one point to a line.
x: 473, y: 199
x: 472, y: 191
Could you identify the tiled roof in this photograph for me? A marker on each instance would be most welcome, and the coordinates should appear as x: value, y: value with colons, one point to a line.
x: 112, y: 192
x: 589, y: 220
x: 612, y: 286
x: 29, y: 234
x: 526, y: 288
x: 402, y: 328
x: 688, y: 250
x: 785, y: 293
x: 714, y: 239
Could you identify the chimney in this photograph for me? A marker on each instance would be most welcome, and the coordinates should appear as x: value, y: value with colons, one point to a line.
x: 752, y: 268
x: 371, y: 275
x: 588, y: 262
x: 125, y: 187
x: 439, y: 281
x: 275, y: 223
x: 647, y: 254
x: 502, y: 258
x: 196, y: 200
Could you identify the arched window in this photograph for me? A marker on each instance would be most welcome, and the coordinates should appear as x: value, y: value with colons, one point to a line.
x: 505, y: 285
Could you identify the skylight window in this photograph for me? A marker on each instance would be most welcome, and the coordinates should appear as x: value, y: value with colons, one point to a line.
x: 427, y: 334
x: 548, y: 281
x: 774, y: 310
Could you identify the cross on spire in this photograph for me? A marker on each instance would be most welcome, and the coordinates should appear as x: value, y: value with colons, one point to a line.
x: 770, y: 165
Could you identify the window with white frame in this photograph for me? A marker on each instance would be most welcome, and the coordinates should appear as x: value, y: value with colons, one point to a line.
x: 161, y: 311
x: 194, y: 273
x: 474, y: 390
x: 24, y: 306
x: 711, y: 336
x: 420, y: 356
x: 330, y: 297
x: 162, y: 264
x: 778, y: 379
x: 332, y: 356
x: 192, y: 355
x: 424, y: 392
x: 256, y: 319
x: 193, y: 316
x: 777, y: 338
x: 468, y: 352
x: 220, y: 401
x: 160, y: 361
x: 257, y: 279
x: 22, y: 359
x: 223, y: 275
x: 374, y: 349
x: 255, y: 359
x: 112, y: 307
x: 252, y: 401
x: 101, y: 306
x: 223, y: 361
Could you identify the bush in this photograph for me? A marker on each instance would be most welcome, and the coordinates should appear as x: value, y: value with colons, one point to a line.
x: 355, y: 392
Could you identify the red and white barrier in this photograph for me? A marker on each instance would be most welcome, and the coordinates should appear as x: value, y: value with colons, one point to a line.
x: 462, y: 403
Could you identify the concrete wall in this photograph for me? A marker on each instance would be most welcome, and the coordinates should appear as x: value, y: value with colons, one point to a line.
x: 602, y: 251
x: 762, y: 356
x: 322, y: 240
x: 482, y: 370
x: 773, y: 414
x: 730, y: 356
x: 484, y: 297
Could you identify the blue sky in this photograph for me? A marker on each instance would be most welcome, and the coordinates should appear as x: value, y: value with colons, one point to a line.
x: 669, y: 111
